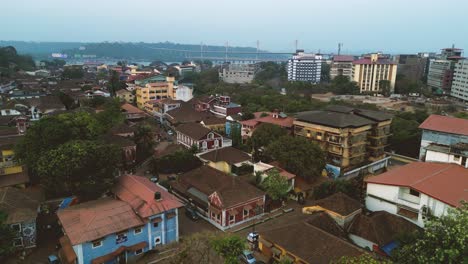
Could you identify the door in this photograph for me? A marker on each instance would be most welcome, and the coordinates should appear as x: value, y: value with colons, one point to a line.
x: 463, y: 163
x: 121, y: 259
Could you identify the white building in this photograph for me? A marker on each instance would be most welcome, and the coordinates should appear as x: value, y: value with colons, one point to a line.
x: 237, y: 73
x: 183, y: 93
x: 305, y: 67
x: 457, y: 153
x: 417, y: 190
x: 460, y: 81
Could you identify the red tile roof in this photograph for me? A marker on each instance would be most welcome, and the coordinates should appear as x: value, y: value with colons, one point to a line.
x: 369, y: 61
x: 139, y: 193
x: 280, y: 121
x: 444, y: 182
x: 96, y: 219
x: 346, y: 58
x: 446, y: 124
x: 131, y: 109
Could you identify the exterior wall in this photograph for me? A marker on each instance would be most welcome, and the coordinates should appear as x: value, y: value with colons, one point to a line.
x: 305, y: 67
x: 238, y: 73
x: 391, y: 199
x: 362, y: 242
x: 202, y: 144
x: 429, y: 136
x: 440, y: 74
x: 341, y: 68
x: 460, y: 81
x: 221, y: 218
x: 183, y: 93
x: 445, y: 157
x: 367, y: 77
x: 9, y: 112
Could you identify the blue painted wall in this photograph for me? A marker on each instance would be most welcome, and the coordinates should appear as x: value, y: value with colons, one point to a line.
x: 439, y: 138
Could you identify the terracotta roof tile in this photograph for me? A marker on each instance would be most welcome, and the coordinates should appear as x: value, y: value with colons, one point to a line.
x: 193, y: 130
x: 444, y: 182
x: 230, y: 155
x: 339, y: 203
x: 446, y: 124
x: 139, y: 193
x: 131, y: 109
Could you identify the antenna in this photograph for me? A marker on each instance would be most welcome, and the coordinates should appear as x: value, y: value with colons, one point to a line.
x: 340, y: 45
x: 296, y: 42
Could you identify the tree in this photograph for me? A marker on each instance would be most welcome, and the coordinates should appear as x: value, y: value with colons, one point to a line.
x: 444, y: 240
x: 180, y: 161
x: 275, y: 185
x: 82, y: 167
x: 264, y: 135
x: 73, y: 73
x: 342, y: 85
x: 114, y: 83
x: 144, y: 138
x: 196, y: 249
x: 385, y: 87
x: 362, y: 259
x: 230, y: 247
x: 297, y: 155
x: 66, y: 100
x: 111, y: 116
x: 7, y: 234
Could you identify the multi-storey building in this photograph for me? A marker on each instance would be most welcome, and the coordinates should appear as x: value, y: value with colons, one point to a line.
x: 418, y: 190
x: 156, y: 90
x: 350, y: 137
x: 441, y: 70
x: 342, y: 65
x: 412, y: 66
x: 460, y: 81
x: 370, y: 71
x: 442, y: 131
x: 237, y: 73
x: 305, y: 67
x: 219, y: 105
x: 203, y: 138
x: 125, y: 95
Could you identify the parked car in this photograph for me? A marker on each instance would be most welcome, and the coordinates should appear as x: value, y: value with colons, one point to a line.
x: 154, y: 178
x: 191, y: 212
x: 170, y: 132
x: 247, y: 257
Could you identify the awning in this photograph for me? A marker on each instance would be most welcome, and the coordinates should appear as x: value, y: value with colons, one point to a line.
x: 170, y: 215
x: 157, y: 220
x: 120, y: 250
x: 248, y: 207
x: 264, y: 242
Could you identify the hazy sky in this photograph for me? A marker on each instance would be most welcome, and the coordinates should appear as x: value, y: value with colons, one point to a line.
x: 362, y: 25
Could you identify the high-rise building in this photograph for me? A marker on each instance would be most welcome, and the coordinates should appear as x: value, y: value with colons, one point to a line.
x: 305, y: 67
x: 370, y: 71
x: 412, y: 66
x: 460, y: 81
x: 342, y: 65
x: 440, y: 73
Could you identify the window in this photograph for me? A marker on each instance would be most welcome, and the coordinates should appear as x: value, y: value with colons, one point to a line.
x: 137, y: 230
x: 413, y: 192
x: 216, y: 143
x: 456, y: 158
x: 97, y: 243
x: 231, y: 218
x: 155, y: 224
x: 16, y: 227
x: 18, y: 241
x: 218, y: 217
x: 245, y: 212
x: 204, y: 145
x: 139, y: 251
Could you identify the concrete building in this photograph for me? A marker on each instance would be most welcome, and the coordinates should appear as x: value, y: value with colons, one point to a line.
x: 457, y: 153
x: 369, y: 71
x: 125, y: 95
x: 350, y: 137
x: 441, y: 70
x: 342, y: 65
x: 442, y: 130
x: 305, y: 67
x: 183, y: 93
x: 412, y: 66
x: 460, y: 81
x: 156, y: 90
x: 237, y: 73
x: 417, y: 190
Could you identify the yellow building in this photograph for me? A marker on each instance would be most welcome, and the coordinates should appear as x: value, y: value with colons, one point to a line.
x: 228, y: 160
x: 369, y: 71
x: 11, y: 173
x: 125, y: 95
x: 350, y: 137
x: 153, y: 91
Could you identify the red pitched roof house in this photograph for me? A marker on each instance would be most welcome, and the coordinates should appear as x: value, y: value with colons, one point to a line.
x: 418, y: 189
x: 275, y: 118
x: 226, y: 200
x: 132, y: 112
x: 142, y: 216
x: 203, y: 138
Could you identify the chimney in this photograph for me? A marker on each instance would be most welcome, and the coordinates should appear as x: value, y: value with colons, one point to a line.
x: 157, y: 196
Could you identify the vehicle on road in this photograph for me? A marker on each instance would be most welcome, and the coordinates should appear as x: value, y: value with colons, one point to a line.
x: 170, y: 132
x: 248, y: 257
x: 191, y: 212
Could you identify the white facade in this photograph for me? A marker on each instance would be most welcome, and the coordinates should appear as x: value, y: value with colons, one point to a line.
x: 404, y: 202
x: 237, y: 73
x: 305, y: 67
x: 436, y: 156
x: 460, y: 81
x: 364, y: 243
x: 183, y: 93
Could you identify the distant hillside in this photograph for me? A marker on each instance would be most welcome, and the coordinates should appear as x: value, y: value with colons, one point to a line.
x: 123, y: 50
x: 10, y: 60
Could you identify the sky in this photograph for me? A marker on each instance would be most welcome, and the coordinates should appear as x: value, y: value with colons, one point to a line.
x: 390, y: 26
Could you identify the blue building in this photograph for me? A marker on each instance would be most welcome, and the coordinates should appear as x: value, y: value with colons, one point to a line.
x: 442, y: 130
x: 141, y: 216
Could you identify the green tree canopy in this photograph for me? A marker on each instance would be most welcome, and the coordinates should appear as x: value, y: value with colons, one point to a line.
x: 230, y: 247
x: 73, y: 73
x: 444, y: 240
x: 263, y: 136
x: 180, y: 161
x: 275, y: 185
x: 82, y: 167
x: 7, y: 234
x: 297, y: 155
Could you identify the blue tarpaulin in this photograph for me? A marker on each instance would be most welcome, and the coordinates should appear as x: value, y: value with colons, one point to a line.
x: 65, y: 203
x: 390, y: 247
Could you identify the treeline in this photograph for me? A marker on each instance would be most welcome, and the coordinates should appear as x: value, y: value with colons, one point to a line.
x: 11, y: 61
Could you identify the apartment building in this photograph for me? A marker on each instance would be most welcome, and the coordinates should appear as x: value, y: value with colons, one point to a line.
x: 441, y: 70
x: 237, y: 73
x: 412, y: 66
x: 342, y: 65
x: 350, y: 137
x: 370, y: 71
x: 155, y: 90
x: 460, y: 81
x: 305, y: 67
